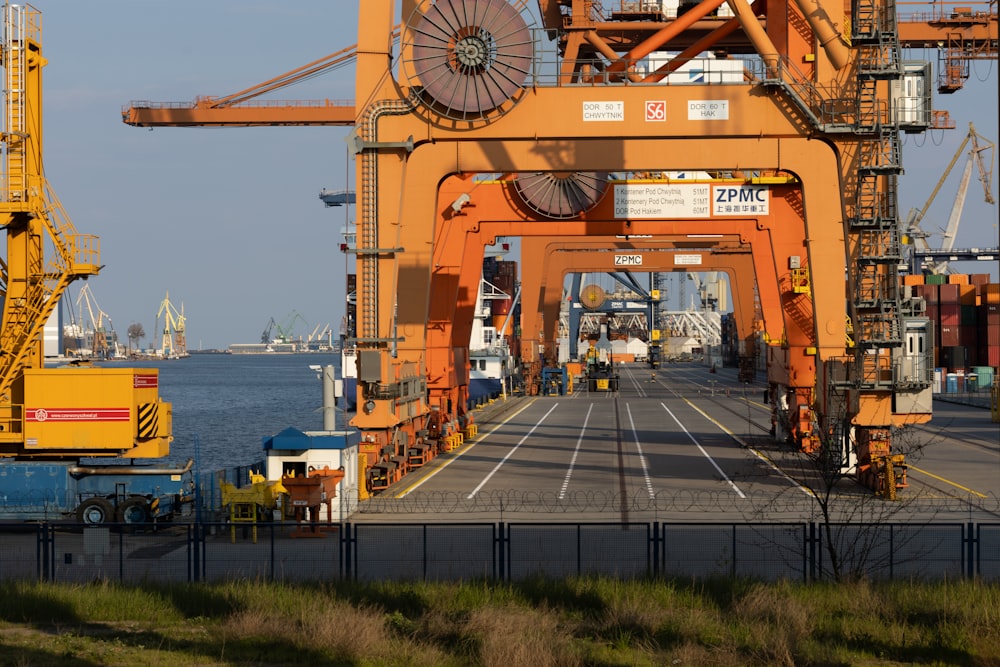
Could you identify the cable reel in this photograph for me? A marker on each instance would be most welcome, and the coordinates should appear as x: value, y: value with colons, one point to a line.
x: 468, y: 60
x: 561, y: 196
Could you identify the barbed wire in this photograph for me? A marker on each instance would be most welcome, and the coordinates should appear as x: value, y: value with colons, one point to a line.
x: 695, y: 502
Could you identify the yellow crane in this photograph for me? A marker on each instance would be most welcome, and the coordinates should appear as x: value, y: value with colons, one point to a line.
x: 174, y: 342
x: 44, y: 251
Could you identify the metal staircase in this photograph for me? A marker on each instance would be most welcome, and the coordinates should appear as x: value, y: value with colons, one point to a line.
x: 872, y: 216
x: 34, y: 276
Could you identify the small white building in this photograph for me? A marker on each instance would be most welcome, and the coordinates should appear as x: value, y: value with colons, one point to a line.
x: 294, y: 452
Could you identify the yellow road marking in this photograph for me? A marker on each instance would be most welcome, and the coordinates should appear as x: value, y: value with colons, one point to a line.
x: 946, y: 481
x: 806, y: 490
x: 464, y: 449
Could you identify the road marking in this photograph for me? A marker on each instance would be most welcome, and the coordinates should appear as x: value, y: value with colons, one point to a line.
x: 702, y: 450
x: 511, y: 452
x: 805, y: 489
x: 642, y: 457
x: 946, y: 481
x: 635, y: 383
x: 455, y: 456
x: 576, y: 451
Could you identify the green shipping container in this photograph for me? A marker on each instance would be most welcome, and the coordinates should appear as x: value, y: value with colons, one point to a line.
x: 936, y: 280
x: 968, y: 316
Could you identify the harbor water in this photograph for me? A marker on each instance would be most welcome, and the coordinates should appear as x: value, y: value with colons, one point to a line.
x: 224, y: 405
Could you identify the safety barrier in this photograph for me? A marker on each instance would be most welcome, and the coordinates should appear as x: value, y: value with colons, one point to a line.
x: 501, y: 551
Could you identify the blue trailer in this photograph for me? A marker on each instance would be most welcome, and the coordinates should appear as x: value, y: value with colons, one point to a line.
x: 94, y: 494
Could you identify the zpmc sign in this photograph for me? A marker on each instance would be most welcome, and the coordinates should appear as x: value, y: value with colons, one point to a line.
x: 628, y: 260
x: 736, y: 199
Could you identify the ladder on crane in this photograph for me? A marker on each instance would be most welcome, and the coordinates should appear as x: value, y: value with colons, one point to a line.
x: 32, y: 283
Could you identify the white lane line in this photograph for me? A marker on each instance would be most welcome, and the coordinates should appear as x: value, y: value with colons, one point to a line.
x: 638, y: 387
x: 702, y: 449
x: 511, y: 452
x: 462, y: 451
x: 642, y: 458
x: 754, y: 451
x: 576, y: 451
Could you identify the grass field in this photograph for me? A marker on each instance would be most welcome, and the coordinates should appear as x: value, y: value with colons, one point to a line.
x: 535, y: 623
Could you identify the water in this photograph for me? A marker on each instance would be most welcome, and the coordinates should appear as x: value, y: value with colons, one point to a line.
x: 231, y: 402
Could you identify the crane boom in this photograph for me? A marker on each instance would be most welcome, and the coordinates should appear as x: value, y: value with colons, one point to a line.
x: 978, y: 145
x: 241, y: 109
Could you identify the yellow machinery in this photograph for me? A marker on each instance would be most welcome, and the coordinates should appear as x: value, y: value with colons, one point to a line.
x: 60, y: 414
x: 250, y: 504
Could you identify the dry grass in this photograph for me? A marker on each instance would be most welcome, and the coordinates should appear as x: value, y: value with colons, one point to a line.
x: 538, y: 623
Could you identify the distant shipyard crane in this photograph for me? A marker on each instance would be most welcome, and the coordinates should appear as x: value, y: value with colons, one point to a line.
x: 174, y: 342
x: 978, y: 147
x: 101, y: 342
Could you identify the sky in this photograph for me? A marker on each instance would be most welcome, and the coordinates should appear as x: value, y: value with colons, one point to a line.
x: 228, y: 221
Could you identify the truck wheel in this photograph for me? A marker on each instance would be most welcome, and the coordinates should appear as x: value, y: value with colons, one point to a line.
x: 95, y: 512
x: 133, y: 510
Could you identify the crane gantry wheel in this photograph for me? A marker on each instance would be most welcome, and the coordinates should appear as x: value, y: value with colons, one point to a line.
x: 561, y: 195
x: 468, y: 60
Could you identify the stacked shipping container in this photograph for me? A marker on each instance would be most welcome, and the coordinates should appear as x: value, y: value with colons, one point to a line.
x: 965, y: 312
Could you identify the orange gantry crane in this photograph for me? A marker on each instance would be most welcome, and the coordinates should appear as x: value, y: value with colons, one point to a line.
x: 480, y: 103
x: 757, y: 95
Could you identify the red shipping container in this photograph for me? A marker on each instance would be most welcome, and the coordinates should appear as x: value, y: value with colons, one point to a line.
x: 992, y: 355
x: 929, y: 292
x: 949, y: 324
x: 993, y: 335
x: 979, y: 278
x: 948, y: 293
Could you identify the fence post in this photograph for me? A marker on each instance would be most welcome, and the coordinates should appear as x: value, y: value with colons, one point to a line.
x: 811, y: 569
x: 42, y: 552
x: 121, y: 553
x: 270, y: 527
x: 501, y: 549
x: 656, y: 548
x: 579, y: 550
x: 972, y: 544
x: 345, y: 557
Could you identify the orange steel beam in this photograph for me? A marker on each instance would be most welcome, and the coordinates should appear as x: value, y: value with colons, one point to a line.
x: 542, y: 286
x: 204, y: 113
x: 410, y: 318
x: 977, y: 30
x: 563, y: 261
x: 772, y: 239
x: 242, y: 109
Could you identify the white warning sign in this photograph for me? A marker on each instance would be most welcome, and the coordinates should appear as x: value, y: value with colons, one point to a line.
x: 662, y: 200
x: 708, y: 109
x: 603, y: 111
